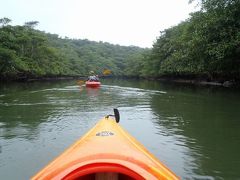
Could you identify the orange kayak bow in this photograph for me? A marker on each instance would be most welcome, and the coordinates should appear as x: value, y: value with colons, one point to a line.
x: 106, y: 152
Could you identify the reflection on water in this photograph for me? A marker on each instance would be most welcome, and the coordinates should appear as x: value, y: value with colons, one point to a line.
x: 92, y: 92
x: 193, y: 130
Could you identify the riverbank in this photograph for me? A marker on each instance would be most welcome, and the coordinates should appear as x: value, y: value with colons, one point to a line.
x: 227, y: 83
x: 224, y: 82
x: 46, y: 78
x: 174, y: 79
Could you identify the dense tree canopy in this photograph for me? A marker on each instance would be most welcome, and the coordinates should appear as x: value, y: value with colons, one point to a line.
x: 207, y: 44
x: 25, y: 52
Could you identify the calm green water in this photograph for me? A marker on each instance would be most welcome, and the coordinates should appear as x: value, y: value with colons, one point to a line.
x: 195, y: 131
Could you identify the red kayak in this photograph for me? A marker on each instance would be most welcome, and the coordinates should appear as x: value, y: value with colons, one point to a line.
x: 92, y: 84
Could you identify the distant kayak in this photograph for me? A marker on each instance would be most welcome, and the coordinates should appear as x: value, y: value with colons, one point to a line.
x: 92, y: 84
x: 106, y: 152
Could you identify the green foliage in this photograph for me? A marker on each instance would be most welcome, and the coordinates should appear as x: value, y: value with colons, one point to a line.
x: 7, y: 61
x: 4, y: 21
x: 25, y: 52
x: 134, y: 64
x: 31, y: 24
x: 207, y: 44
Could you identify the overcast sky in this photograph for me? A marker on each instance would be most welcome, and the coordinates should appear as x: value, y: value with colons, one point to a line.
x: 124, y: 22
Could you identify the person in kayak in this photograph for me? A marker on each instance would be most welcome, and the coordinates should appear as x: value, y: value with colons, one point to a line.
x: 92, y: 77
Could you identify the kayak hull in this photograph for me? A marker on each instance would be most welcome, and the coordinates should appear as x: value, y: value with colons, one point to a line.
x: 92, y: 84
x: 109, y: 149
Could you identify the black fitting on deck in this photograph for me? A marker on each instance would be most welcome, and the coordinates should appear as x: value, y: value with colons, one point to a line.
x: 116, y: 115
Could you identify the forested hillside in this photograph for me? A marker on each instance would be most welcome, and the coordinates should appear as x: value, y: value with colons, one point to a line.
x: 27, y: 53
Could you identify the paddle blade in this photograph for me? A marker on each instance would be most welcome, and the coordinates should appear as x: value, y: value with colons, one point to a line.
x: 80, y: 82
x: 107, y: 72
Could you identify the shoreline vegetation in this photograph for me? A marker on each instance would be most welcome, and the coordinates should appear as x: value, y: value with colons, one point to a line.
x: 182, y: 80
x: 204, y: 49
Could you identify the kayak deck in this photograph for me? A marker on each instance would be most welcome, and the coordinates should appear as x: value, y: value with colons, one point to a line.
x: 106, y: 152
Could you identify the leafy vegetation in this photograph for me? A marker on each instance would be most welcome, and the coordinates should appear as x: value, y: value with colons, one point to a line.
x: 26, y: 52
x: 207, y: 44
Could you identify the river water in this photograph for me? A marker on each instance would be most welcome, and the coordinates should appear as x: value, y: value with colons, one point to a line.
x: 194, y: 130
